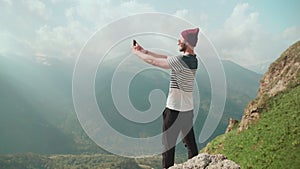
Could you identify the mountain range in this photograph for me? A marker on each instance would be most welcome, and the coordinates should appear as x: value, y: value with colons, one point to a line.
x: 37, y: 113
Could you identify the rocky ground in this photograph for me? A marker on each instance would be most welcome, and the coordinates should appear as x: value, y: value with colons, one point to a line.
x: 207, y: 161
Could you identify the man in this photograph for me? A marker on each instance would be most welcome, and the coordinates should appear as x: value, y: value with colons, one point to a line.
x: 178, y: 114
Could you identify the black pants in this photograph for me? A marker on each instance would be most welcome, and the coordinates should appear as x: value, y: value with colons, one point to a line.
x: 175, y: 122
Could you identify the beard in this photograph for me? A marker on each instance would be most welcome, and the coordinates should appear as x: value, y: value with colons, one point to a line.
x: 183, y: 48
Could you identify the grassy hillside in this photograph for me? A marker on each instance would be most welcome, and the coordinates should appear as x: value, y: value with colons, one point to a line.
x: 273, y: 142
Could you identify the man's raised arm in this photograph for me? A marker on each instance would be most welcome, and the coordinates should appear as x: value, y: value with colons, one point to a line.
x: 152, y: 58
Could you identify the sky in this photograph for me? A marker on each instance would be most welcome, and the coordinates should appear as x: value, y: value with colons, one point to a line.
x: 250, y: 33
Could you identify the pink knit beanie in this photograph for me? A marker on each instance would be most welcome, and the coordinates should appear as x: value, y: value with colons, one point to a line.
x: 190, y: 36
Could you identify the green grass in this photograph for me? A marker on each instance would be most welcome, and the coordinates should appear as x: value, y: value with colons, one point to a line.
x: 273, y: 142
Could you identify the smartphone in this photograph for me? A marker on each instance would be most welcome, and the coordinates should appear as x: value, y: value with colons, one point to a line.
x: 134, y: 42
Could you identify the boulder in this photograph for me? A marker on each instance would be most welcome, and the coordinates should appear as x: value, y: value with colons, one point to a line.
x: 207, y: 161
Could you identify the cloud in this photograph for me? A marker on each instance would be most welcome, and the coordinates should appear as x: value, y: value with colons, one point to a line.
x: 103, y: 12
x: 243, y: 40
x: 61, y: 41
x: 8, y: 2
x: 291, y: 34
x: 67, y: 40
x: 10, y: 44
x: 238, y: 30
x: 80, y: 20
x: 37, y: 7
x: 181, y: 13
x: 43, y: 28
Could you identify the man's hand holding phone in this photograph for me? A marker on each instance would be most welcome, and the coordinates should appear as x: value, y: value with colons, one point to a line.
x: 136, y: 47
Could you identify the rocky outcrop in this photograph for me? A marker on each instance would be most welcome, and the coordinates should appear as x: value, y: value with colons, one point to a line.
x: 232, y: 123
x: 282, y: 75
x: 206, y: 161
